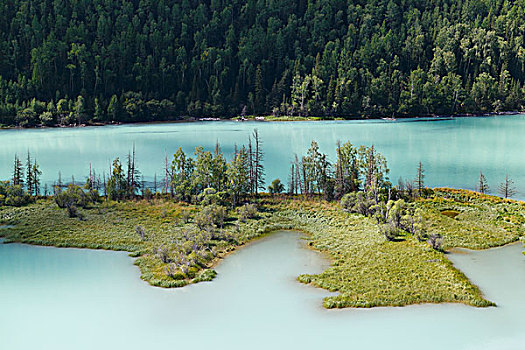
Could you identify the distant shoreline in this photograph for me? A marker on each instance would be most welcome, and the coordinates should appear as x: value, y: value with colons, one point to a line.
x: 272, y: 119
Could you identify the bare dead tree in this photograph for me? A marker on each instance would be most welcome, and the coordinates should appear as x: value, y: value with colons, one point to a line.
x: 419, y: 180
x: 506, y: 188
x: 483, y: 186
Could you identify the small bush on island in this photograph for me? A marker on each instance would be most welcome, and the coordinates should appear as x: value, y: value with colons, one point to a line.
x: 184, y: 216
x: 141, y: 232
x: 71, y: 199
x: 247, y: 211
x: 13, y: 195
x: 436, y: 241
x: 357, y: 202
x: 211, y: 215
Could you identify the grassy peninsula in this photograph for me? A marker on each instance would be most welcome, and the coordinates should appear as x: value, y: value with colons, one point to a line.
x: 367, y: 270
x: 387, y: 242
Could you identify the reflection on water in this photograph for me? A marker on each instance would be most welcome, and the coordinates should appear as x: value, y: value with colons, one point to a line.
x: 82, y: 299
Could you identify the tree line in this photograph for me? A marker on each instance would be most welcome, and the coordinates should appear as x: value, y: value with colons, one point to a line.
x: 71, y: 62
x: 359, y: 179
x: 208, y: 174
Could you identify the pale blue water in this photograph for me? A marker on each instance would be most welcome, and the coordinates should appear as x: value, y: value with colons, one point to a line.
x: 81, y: 299
x: 452, y: 151
x: 54, y: 298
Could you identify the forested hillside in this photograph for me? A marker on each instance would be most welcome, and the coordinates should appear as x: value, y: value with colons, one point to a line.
x: 73, y: 61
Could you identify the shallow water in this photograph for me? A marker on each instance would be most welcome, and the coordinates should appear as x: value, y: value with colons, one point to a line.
x: 453, y: 151
x: 82, y: 299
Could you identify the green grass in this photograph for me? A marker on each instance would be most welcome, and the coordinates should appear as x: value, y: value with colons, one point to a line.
x: 285, y: 118
x: 369, y: 271
x: 481, y: 222
x: 111, y: 226
x: 366, y: 271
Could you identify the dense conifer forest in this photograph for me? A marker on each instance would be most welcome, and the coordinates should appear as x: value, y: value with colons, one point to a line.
x: 77, y: 61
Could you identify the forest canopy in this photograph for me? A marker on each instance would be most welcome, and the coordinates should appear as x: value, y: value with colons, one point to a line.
x: 76, y: 61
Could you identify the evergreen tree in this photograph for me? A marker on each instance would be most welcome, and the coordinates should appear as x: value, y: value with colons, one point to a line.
x: 132, y: 175
x: 259, y: 91
x: 30, y: 181
x: 98, y: 115
x: 218, y: 169
x: 18, y: 171
x: 36, y: 177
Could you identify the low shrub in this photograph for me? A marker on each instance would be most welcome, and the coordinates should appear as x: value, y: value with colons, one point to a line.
x: 209, y: 216
x: 205, y: 275
x: 73, y: 198
x: 247, y: 211
x: 13, y: 195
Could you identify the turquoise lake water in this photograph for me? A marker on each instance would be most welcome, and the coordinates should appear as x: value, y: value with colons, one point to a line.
x: 80, y: 299
x: 453, y: 151
x: 53, y: 298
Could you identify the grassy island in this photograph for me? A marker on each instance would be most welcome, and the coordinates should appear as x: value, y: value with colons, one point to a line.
x: 367, y: 270
x: 387, y: 243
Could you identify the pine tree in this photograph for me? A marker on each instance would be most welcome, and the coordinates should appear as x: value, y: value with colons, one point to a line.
x: 59, y: 181
x: 99, y: 112
x: 132, y: 175
x: 18, y: 171
x: 238, y: 176
x: 259, y: 90
x: 218, y: 169
x: 299, y: 185
x: 346, y: 170
x: 36, y: 177
x: 29, y: 175
x: 168, y: 176
x: 251, y: 171
x: 80, y: 109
